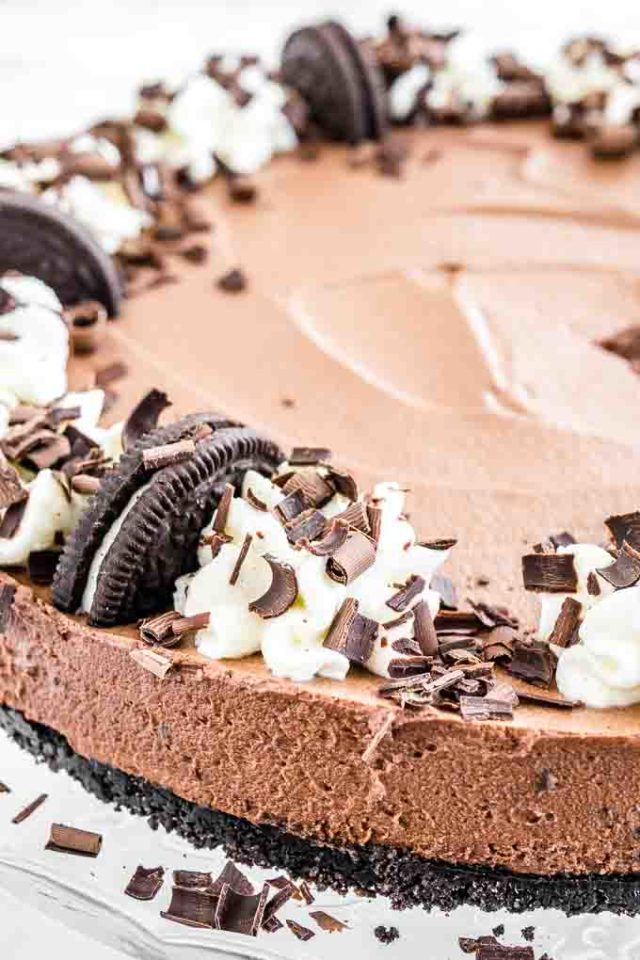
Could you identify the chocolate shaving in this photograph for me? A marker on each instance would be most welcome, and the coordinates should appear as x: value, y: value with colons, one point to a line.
x: 309, y: 525
x: 282, y: 591
x: 144, y: 417
x: 145, y: 883
x: 565, y: 630
x: 302, y: 933
x: 625, y: 570
x: 424, y: 629
x: 336, y: 638
x: 593, y: 584
x: 255, y: 501
x: 442, y: 544
x: 168, y: 455
x: 12, y: 519
x: 244, y: 549
x: 550, y: 572
x: 547, y: 698
x: 192, y: 879
x: 485, y: 708
x: 335, y: 535
x: 191, y: 907
x: 81, y: 843
x: 355, y: 516
x: 344, y: 483
x: 412, y: 589
x: 222, y: 512
x: 374, y: 519
x: 29, y: 809
x: 277, y: 902
x: 159, y: 630
x: 272, y: 924
x: 235, y: 878
x: 409, y: 666
x: 42, y: 564
x: 619, y: 526
x: 7, y: 596
x: 533, y: 661
x: 154, y: 662
x: 239, y: 912
x: 407, y: 647
x: 315, y: 488
x: 11, y: 489
x: 291, y: 506
x: 309, y: 456
x: 328, y: 923
x: 498, y: 644
x: 350, y: 560
x: 305, y: 890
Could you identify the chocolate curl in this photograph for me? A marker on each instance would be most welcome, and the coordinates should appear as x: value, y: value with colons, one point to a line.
x: 282, y: 591
x: 356, y: 555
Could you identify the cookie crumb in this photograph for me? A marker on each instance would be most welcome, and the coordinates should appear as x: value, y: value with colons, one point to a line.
x: 386, y: 934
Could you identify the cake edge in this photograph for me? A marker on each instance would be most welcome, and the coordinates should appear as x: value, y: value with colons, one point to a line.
x: 407, y: 879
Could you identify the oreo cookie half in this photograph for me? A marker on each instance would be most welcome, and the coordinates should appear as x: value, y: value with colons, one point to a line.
x: 343, y: 89
x: 41, y: 241
x: 160, y: 511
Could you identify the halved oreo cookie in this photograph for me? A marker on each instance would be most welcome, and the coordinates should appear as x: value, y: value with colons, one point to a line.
x: 158, y: 535
x: 343, y: 89
x: 41, y: 241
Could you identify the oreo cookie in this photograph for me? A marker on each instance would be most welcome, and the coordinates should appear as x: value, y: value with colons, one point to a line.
x: 161, y: 503
x: 344, y: 90
x: 39, y: 240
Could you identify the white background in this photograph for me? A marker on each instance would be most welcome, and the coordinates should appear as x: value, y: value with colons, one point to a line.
x: 63, y: 64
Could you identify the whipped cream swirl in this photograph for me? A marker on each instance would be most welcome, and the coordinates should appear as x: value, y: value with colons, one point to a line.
x: 292, y: 644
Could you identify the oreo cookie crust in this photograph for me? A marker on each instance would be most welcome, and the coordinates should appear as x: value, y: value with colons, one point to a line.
x: 323, y: 68
x: 38, y: 240
x: 409, y: 880
x: 158, y: 537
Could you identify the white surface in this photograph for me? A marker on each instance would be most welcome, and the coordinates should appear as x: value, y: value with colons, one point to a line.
x: 61, y: 66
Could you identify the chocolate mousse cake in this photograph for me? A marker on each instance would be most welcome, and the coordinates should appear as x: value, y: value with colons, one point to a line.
x: 408, y: 664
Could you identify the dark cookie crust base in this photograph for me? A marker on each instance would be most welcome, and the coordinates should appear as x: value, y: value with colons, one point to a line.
x: 404, y: 877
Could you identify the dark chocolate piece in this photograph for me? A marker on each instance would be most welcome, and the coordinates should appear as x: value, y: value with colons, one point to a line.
x: 302, y: 933
x: 308, y: 525
x: 282, y: 591
x: 409, y: 666
x: 145, y: 883
x: 81, y: 843
x: 352, y: 558
x: 412, y: 589
x: 550, y: 573
x: 26, y: 812
x: 332, y: 539
x: 193, y: 879
x: 344, y: 483
x: 533, y: 661
x: 191, y: 907
x: 327, y: 922
x: 565, y: 630
x: 168, y: 455
x: 625, y: 570
x: 144, y: 417
x: 222, y: 511
x: 291, y: 506
x: 244, y: 549
x: 315, y: 489
x: 355, y: 516
x: 309, y: 456
x: 239, y: 912
x: 42, y: 565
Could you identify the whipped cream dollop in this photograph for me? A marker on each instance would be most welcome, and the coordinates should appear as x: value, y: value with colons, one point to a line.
x: 292, y: 643
x: 34, y: 343
x: 602, y: 669
x: 28, y: 175
x: 210, y: 119
x: 50, y: 511
x: 103, y: 207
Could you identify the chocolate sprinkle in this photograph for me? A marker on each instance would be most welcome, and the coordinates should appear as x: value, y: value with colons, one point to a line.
x: 145, y: 883
x: 309, y: 456
x: 168, y: 455
x: 82, y: 843
x: 282, y: 591
x: 328, y: 923
x: 244, y: 549
x: 302, y: 933
x: 424, y: 629
x: 191, y: 907
x: 11, y: 489
x: 144, y: 417
x: 565, y: 630
x: 412, y: 589
x: 42, y: 564
x: 12, y: 519
x: 350, y: 560
x: 30, y: 808
x: 240, y: 913
x: 550, y: 573
x: 625, y: 570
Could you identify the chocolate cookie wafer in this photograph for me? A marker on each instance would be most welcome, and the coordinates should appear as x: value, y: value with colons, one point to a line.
x: 371, y: 79
x: 41, y: 241
x: 324, y: 65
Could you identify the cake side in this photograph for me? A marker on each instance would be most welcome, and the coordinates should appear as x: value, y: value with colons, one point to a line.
x: 335, y: 767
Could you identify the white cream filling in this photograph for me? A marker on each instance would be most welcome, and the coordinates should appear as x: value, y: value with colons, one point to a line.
x: 404, y: 90
x: 292, y: 644
x: 102, y: 551
x: 33, y: 367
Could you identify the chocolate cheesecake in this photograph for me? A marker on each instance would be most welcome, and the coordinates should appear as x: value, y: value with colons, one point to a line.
x: 464, y: 326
